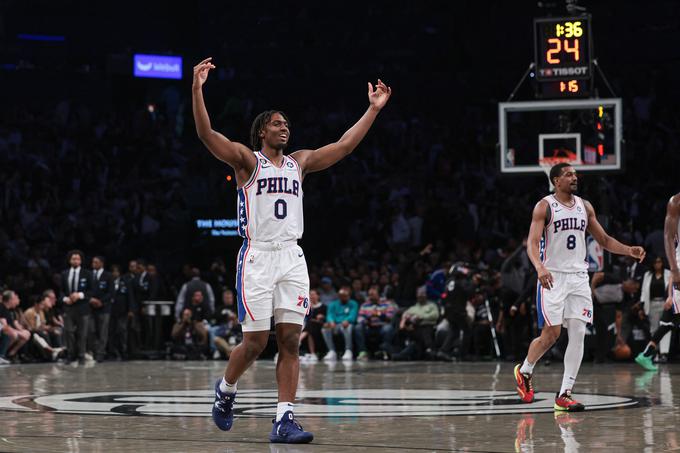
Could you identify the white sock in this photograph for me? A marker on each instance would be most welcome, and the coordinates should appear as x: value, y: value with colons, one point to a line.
x: 574, y: 353
x: 282, y: 408
x: 226, y: 387
x: 527, y: 368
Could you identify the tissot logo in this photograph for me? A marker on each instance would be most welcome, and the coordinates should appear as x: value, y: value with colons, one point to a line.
x: 310, y: 403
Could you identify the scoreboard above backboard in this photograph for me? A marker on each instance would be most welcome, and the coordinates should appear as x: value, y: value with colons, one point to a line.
x: 563, y: 48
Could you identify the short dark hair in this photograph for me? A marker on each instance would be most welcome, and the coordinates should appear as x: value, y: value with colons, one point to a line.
x: 259, y: 123
x: 556, y: 171
x: 100, y: 258
x: 70, y: 253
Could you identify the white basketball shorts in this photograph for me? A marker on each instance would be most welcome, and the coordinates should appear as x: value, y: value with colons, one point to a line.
x: 271, y: 276
x: 569, y: 298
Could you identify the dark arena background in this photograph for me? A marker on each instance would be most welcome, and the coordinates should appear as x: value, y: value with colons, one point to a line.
x: 428, y: 216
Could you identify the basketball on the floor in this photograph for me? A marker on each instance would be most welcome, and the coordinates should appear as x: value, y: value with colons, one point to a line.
x: 622, y: 352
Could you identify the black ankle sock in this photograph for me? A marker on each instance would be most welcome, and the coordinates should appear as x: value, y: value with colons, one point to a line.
x: 650, y: 350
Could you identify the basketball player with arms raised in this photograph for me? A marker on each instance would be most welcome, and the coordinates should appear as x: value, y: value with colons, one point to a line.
x: 671, y: 312
x: 272, y: 278
x: 557, y: 249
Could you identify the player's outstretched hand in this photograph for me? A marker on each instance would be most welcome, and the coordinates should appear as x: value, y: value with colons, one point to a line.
x: 668, y: 304
x: 379, y: 97
x: 545, y: 277
x: 201, y: 72
x: 638, y: 253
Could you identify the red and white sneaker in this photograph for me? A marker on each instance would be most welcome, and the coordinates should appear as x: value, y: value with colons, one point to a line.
x: 525, y: 388
x: 565, y: 402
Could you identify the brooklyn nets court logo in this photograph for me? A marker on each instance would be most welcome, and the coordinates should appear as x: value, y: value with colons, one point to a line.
x: 311, y: 403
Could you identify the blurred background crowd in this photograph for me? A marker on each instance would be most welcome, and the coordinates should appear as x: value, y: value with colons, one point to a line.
x: 415, y: 243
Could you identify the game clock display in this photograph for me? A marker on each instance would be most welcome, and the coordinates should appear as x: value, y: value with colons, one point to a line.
x: 556, y: 89
x: 563, y: 48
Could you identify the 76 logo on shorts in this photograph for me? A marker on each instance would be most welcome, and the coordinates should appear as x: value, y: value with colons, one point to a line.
x: 303, y: 301
x: 587, y: 313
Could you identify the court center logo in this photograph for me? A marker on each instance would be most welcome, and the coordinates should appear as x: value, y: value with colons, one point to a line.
x: 311, y: 403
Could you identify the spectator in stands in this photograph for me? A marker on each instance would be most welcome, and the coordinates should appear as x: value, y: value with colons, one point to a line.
x: 200, y: 313
x: 375, y: 319
x: 76, y: 288
x: 311, y: 334
x: 436, y: 280
x: 340, y: 320
x: 54, y: 320
x: 189, y: 288
x: 188, y: 340
x: 40, y: 330
x: 327, y: 292
x: 157, y: 287
x: 653, y: 296
x: 358, y: 292
x: 223, y: 326
x: 417, y: 326
x: 226, y: 333
x: 16, y: 335
x: 103, y: 291
x: 217, y: 276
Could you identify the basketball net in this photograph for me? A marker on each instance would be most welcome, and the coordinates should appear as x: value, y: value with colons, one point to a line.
x: 547, y: 163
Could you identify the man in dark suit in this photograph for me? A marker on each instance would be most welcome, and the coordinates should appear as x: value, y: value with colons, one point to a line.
x: 134, y: 329
x: 147, y: 288
x: 122, y: 308
x: 76, y: 289
x: 100, y: 303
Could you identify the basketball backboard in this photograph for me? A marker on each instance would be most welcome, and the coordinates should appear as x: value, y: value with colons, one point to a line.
x: 586, y: 133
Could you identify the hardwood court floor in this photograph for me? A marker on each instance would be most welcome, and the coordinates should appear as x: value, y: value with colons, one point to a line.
x: 164, y: 407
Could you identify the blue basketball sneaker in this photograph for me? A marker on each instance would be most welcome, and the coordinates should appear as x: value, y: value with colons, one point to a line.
x: 223, y: 408
x: 289, y: 431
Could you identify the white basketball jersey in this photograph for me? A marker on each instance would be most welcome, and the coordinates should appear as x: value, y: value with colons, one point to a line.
x: 270, y: 203
x: 563, y: 246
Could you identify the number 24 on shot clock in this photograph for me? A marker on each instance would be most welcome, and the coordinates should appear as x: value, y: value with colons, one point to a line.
x: 562, y: 48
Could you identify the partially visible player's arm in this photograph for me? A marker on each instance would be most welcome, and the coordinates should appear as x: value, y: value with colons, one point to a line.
x: 607, y: 242
x: 670, y: 233
x: 235, y: 154
x: 322, y: 158
x: 538, y: 221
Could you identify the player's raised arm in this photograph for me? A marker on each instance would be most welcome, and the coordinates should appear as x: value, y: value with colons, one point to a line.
x: 607, y: 242
x: 235, y: 154
x: 322, y: 158
x: 538, y: 221
x: 670, y: 235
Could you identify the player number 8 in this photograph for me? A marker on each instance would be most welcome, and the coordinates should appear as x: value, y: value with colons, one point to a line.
x: 571, y: 242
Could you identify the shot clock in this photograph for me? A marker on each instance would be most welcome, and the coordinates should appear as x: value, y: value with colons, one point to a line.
x: 563, y: 50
